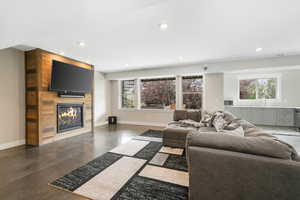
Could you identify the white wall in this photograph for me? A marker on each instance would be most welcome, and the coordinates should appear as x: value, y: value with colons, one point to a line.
x: 213, y: 67
x: 213, y: 99
x: 12, y: 101
x: 214, y: 85
x: 290, y: 81
x: 101, y: 99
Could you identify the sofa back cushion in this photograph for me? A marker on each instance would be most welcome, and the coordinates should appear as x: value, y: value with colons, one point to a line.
x: 194, y: 115
x: 180, y: 115
x: 263, y: 146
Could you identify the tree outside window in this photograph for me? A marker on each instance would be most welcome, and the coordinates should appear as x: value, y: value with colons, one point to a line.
x: 248, y: 89
x: 158, y: 93
x: 128, y: 88
x: 263, y: 88
x: 192, y: 90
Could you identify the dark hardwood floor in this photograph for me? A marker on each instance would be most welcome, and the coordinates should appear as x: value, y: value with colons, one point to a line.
x: 25, y: 172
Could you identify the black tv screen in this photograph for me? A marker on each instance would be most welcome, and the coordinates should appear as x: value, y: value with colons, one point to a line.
x: 70, y: 78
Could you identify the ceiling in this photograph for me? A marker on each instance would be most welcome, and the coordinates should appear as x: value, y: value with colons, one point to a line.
x: 123, y: 35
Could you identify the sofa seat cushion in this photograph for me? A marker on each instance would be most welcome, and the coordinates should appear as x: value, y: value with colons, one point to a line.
x: 262, y: 146
x: 180, y: 125
x: 207, y: 129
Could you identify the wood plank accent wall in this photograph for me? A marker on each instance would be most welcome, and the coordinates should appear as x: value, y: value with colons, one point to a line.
x: 41, y: 121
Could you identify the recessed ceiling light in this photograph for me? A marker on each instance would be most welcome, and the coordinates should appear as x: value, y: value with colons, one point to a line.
x: 126, y: 65
x: 258, y: 49
x: 163, y: 26
x: 81, y: 43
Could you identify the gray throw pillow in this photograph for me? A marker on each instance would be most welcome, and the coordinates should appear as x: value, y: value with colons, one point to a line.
x: 239, y: 122
x: 229, y: 117
x: 236, y: 132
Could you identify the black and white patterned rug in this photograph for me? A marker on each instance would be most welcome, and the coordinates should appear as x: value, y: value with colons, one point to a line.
x: 139, y: 169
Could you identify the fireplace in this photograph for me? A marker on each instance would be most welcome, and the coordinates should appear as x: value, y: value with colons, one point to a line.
x: 69, y: 116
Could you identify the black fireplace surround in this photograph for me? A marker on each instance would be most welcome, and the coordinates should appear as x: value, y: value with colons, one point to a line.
x: 69, y: 116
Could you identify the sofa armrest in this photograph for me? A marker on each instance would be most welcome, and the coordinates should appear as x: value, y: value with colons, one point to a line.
x: 227, y: 175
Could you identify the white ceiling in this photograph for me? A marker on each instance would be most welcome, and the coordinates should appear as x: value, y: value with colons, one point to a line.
x: 120, y: 32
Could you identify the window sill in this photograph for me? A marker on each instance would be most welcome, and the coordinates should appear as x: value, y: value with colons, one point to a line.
x: 145, y: 110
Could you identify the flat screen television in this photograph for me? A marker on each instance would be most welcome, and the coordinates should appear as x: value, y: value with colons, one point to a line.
x: 70, y: 78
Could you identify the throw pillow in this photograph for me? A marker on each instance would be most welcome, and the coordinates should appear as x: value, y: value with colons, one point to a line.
x: 219, y: 123
x: 239, y: 122
x: 207, y: 117
x: 192, y: 123
x: 229, y: 117
x: 232, y: 125
x: 236, y: 132
x: 245, y: 124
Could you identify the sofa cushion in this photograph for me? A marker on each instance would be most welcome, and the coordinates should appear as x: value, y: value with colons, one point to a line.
x: 194, y: 115
x: 256, y: 132
x: 207, y: 129
x: 251, y: 145
x: 180, y: 115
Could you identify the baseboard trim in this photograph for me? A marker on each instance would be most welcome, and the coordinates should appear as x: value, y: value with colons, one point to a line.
x: 142, y: 123
x: 101, y: 124
x: 12, y: 144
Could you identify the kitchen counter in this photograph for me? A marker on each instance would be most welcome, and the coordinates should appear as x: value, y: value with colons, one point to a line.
x: 242, y: 106
x: 265, y: 115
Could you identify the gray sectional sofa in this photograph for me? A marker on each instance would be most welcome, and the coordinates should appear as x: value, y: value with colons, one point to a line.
x: 225, y: 166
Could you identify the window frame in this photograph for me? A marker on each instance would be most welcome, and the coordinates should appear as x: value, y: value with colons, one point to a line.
x: 178, y: 92
x: 150, y: 78
x: 120, y: 106
x: 256, y: 77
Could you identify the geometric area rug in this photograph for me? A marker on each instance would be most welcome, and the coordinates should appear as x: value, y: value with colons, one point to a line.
x: 139, y: 169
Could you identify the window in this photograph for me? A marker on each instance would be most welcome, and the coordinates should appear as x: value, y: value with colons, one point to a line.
x: 192, y: 90
x: 128, y: 92
x: 248, y: 89
x: 158, y: 93
x: 260, y: 88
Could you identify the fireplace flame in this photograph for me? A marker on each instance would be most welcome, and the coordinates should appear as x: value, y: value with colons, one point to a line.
x: 72, y: 113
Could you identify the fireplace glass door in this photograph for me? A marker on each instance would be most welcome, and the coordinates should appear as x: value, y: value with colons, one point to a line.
x: 69, y: 117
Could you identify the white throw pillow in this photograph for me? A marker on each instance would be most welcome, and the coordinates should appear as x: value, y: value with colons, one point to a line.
x: 219, y: 123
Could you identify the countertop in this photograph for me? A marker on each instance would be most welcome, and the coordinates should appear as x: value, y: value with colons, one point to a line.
x: 242, y: 106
